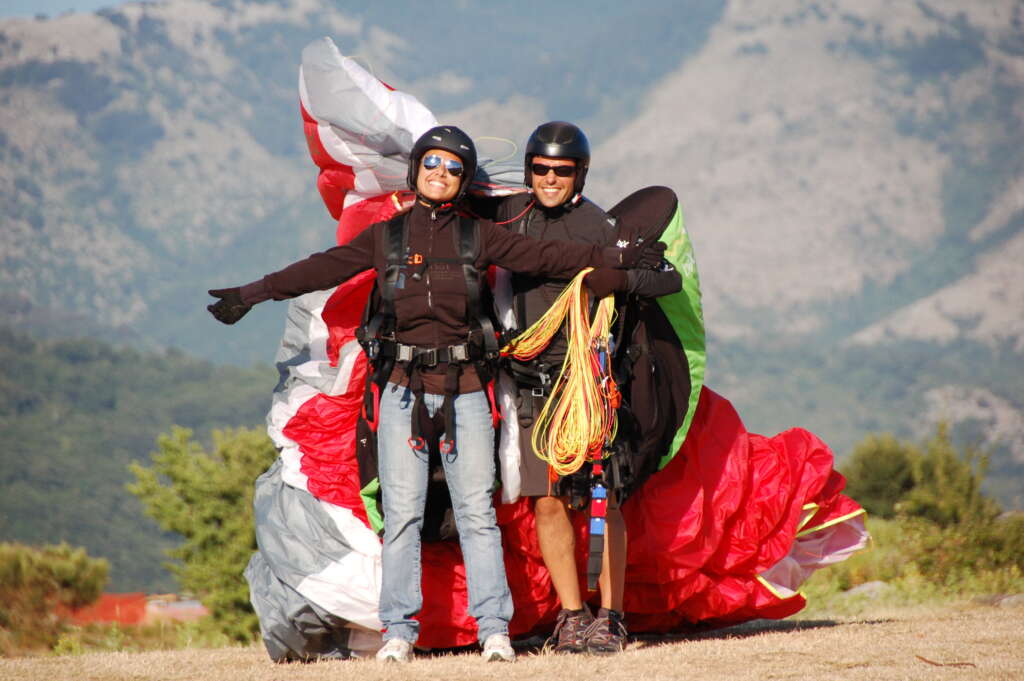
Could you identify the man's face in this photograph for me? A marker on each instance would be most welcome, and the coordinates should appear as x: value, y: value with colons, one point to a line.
x: 550, y: 189
x: 438, y: 183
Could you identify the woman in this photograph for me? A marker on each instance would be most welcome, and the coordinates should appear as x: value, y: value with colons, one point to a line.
x: 426, y: 290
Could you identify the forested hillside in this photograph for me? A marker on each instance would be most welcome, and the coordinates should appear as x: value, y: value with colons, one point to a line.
x: 75, y: 413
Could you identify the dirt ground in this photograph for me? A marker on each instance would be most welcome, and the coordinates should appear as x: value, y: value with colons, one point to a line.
x: 952, y: 642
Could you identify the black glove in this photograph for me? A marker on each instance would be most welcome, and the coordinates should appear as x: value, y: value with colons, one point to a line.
x: 604, y: 281
x: 651, y: 256
x: 230, y: 308
x: 642, y: 256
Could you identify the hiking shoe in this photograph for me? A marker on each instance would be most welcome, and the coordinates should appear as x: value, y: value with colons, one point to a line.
x: 395, y: 650
x: 570, y: 634
x: 606, y: 635
x: 497, y: 648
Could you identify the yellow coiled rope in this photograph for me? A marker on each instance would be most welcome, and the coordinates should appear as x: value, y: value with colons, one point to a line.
x: 579, y: 417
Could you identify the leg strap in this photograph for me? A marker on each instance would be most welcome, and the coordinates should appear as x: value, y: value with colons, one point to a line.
x: 451, y: 389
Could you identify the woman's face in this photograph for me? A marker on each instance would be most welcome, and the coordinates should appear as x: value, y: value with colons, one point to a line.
x: 438, y: 184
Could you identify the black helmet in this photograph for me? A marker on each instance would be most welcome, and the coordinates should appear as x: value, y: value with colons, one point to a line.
x: 449, y: 138
x: 559, y: 139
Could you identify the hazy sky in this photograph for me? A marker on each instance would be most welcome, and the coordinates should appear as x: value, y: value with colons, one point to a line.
x: 52, y: 8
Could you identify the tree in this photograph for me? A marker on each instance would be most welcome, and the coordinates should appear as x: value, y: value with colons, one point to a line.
x: 207, y: 499
x: 947, y: 484
x: 880, y: 473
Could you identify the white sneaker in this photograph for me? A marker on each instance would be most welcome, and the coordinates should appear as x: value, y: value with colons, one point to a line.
x: 395, y: 650
x: 497, y: 648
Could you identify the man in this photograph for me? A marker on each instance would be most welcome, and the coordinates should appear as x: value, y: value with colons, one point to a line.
x: 557, y: 160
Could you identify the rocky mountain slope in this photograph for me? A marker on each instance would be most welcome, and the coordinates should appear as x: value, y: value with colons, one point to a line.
x: 825, y: 149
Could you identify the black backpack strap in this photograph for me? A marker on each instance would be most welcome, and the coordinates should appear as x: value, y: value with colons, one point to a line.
x: 468, y: 248
x: 396, y: 240
x: 520, y: 300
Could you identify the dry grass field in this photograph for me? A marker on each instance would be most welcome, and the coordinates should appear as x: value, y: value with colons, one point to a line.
x: 947, y: 642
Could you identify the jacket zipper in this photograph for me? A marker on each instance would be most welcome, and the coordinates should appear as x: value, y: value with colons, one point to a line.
x: 426, y: 278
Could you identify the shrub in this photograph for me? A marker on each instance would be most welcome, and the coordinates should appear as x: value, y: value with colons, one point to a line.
x: 34, y: 581
x: 880, y: 472
x: 947, y: 484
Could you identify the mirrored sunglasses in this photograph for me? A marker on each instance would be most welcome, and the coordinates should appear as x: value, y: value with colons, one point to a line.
x: 540, y: 170
x: 453, y: 166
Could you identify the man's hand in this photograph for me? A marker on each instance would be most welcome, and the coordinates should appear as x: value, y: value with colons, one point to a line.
x: 230, y: 308
x: 639, y: 256
x: 650, y: 256
x: 604, y: 281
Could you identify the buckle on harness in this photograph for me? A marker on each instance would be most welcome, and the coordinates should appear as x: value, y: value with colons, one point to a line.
x: 428, y: 358
x: 372, y: 348
x: 537, y: 392
x: 403, y: 353
x: 459, y: 353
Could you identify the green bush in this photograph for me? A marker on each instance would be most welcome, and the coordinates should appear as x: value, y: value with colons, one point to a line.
x: 207, y: 499
x: 947, y: 484
x: 34, y: 582
x: 938, y: 536
x: 880, y: 472
x: 932, y: 480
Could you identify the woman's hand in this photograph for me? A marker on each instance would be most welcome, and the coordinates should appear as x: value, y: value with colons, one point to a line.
x: 230, y: 308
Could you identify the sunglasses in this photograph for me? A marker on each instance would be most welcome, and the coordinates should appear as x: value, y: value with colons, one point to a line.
x: 453, y: 166
x: 540, y: 170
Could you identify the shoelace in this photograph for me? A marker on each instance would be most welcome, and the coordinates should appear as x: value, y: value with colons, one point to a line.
x: 578, y: 632
x: 608, y: 622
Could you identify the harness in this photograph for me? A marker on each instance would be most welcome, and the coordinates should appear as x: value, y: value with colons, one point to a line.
x: 377, y: 335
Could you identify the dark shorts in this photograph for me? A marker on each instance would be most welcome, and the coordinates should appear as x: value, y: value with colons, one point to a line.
x: 534, y: 471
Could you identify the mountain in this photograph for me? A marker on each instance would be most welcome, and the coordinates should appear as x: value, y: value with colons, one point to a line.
x: 850, y: 174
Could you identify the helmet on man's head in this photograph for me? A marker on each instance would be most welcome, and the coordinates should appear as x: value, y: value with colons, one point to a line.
x: 558, y: 139
x: 448, y: 138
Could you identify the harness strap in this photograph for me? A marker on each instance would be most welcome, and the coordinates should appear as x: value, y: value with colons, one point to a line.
x: 419, y: 415
x: 451, y: 389
x: 520, y: 300
x: 396, y: 240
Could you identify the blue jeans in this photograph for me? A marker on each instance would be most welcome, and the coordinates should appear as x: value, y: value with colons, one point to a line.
x: 403, y: 480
